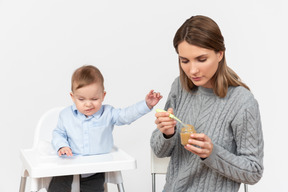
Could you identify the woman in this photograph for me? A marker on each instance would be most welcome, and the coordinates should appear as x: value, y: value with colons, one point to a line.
x: 227, y: 149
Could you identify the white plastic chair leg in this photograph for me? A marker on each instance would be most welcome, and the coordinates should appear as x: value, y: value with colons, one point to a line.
x: 105, y: 187
x: 22, y: 184
x: 76, y: 183
x: 115, y: 178
x: 120, y: 187
x: 245, y: 187
x: 153, y: 182
x: 34, y: 185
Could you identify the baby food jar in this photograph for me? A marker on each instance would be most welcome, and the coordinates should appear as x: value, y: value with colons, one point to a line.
x: 185, y: 134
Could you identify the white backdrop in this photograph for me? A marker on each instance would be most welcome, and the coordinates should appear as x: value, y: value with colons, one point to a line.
x: 42, y: 42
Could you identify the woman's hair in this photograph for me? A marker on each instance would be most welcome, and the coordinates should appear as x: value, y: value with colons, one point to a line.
x: 86, y: 75
x: 203, y: 32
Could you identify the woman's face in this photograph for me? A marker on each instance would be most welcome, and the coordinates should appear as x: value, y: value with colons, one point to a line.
x: 199, y: 64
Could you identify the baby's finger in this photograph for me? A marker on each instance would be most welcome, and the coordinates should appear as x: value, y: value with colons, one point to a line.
x: 159, y: 96
x: 69, y: 152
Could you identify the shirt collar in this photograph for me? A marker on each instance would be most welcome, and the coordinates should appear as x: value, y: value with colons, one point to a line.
x: 95, y: 115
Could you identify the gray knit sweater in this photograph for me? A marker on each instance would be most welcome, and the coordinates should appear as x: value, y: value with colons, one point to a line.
x: 234, y: 126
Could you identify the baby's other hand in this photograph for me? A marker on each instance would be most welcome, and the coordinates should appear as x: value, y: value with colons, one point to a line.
x: 65, y: 151
x: 152, y: 98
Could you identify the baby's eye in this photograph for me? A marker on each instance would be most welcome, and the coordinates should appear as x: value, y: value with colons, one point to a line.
x: 80, y: 99
x: 95, y: 99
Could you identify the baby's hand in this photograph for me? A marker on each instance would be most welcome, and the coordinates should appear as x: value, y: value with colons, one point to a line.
x: 65, y: 151
x: 152, y: 98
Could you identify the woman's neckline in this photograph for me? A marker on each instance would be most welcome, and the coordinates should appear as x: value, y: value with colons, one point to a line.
x: 206, y: 91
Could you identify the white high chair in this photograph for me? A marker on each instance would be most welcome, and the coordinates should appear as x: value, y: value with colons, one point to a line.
x: 41, y: 162
x: 160, y: 165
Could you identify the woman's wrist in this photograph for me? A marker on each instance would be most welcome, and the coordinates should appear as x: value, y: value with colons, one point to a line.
x: 168, y: 136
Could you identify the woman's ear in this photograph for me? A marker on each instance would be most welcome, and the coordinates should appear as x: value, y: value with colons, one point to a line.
x: 220, y: 55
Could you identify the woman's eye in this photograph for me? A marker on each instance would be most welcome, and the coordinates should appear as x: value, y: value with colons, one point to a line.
x: 202, y: 60
x: 184, y: 61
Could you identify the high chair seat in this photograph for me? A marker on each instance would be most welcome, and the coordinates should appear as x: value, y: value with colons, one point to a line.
x: 41, y: 162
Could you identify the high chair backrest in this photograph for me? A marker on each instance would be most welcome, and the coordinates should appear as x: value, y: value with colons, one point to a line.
x: 159, y: 165
x: 45, y: 126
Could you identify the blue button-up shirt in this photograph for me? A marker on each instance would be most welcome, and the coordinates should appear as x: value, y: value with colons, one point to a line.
x: 93, y: 135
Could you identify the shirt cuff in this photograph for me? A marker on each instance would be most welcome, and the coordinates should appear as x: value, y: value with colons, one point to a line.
x: 143, y: 108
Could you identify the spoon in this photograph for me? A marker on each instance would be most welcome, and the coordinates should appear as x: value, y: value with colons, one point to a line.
x: 173, y: 117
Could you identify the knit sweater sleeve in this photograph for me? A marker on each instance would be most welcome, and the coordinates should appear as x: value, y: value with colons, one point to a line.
x: 162, y: 146
x: 246, y: 164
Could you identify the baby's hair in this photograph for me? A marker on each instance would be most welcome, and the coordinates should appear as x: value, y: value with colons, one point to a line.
x: 86, y: 75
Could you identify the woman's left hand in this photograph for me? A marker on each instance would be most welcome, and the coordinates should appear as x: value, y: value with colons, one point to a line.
x: 200, y: 144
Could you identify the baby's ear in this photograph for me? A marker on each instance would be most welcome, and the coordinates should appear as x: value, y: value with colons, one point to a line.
x: 104, y: 94
x: 72, y: 96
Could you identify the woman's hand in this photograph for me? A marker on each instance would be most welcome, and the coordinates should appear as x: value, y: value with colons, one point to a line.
x: 65, y: 151
x: 164, y: 123
x: 200, y: 144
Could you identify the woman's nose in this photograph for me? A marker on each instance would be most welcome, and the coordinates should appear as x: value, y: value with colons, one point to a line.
x: 193, y: 68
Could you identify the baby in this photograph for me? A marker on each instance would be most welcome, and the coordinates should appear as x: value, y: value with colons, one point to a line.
x: 85, y: 128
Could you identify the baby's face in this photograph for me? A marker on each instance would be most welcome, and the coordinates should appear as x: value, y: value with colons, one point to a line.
x: 88, y: 99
